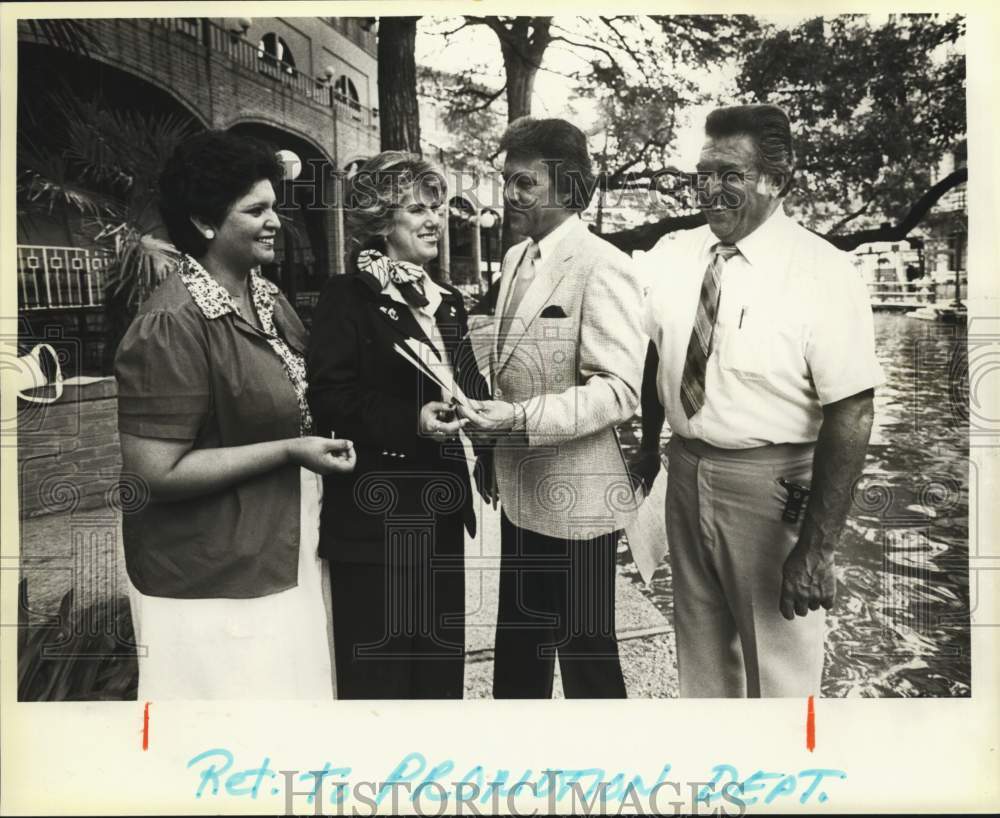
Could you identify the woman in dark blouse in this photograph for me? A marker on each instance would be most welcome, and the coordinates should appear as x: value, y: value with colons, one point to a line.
x: 227, y: 590
x: 394, y: 530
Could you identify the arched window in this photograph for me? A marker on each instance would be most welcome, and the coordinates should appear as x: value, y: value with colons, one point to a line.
x: 275, y: 55
x: 345, y: 91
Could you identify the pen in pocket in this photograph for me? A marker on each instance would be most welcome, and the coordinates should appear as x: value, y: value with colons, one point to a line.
x: 743, y: 312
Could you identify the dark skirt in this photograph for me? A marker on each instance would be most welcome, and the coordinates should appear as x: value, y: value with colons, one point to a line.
x: 399, y: 620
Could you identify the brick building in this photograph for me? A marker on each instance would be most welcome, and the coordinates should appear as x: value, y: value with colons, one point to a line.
x: 304, y: 84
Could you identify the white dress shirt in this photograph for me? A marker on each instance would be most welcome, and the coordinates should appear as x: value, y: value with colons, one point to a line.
x: 546, y: 249
x: 548, y: 243
x: 794, y: 332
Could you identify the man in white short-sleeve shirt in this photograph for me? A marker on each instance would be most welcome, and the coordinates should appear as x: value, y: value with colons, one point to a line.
x: 766, y: 373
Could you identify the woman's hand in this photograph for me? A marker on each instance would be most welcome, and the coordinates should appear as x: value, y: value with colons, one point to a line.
x: 323, y: 455
x: 438, y: 420
x: 173, y: 470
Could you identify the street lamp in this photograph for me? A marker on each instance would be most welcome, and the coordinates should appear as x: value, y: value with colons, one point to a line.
x: 240, y: 27
x: 487, y: 221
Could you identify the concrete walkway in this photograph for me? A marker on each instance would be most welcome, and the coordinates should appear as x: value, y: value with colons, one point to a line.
x: 82, y: 550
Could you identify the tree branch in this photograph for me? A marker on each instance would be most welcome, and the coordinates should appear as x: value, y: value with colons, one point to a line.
x: 852, y: 216
x: 619, y: 176
x: 536, y: 42
x: 609, y: 22
x: 465, y: 24
x: 645, y: 236
x: 899, y: 231
x: 601, y: 49
x: 488, y: 100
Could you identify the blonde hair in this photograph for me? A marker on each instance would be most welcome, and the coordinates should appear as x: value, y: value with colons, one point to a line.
x: 378, y: 189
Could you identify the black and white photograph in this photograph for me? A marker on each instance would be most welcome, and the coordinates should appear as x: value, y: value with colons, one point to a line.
x: 465, y: 357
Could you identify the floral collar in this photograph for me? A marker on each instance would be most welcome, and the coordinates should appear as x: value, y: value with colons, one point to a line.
x: 214, y: 300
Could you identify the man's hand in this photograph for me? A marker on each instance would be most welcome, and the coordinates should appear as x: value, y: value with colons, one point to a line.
x: 437, y: 420
x: 643, y: 470
x: 488, y: 417
x: 808, y: 578
x: 808, y: 581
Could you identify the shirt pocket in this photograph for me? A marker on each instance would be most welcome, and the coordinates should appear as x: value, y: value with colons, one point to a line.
x: 768, y: 344
x: 747, y: 351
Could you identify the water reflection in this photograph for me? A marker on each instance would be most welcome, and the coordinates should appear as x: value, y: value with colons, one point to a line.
x: 900, y: 626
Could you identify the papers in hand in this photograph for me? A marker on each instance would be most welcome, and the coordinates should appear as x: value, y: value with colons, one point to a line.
x: 422, y: 357
x: 646, y: 529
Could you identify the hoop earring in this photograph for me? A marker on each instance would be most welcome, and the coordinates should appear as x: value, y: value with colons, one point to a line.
x: 210, y: 234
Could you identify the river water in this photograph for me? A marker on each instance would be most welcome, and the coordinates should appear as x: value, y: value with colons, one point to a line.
x: 900, y: 625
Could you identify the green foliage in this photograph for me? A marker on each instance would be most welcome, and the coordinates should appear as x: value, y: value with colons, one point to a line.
x: 472, y: 114
x: 70, y: 35
x: 121, y: 153
x: 640, y: 72
x: 104, y: 163
x: 644, y: 73
x: 87, y: 654
x: 874, y: 107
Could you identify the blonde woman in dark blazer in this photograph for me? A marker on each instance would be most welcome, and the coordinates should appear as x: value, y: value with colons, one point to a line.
x: 393, y: 532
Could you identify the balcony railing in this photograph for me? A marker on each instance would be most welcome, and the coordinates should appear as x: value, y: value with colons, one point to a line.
x: 51, y: 278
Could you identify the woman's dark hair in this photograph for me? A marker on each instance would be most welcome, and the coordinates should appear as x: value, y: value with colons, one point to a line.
x: 204, y: 176
x: 561, y: 143
x: 770, y: 130
x: 376, y: 191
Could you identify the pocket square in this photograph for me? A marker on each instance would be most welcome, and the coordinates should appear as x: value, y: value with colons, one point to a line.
x: 553, y: 311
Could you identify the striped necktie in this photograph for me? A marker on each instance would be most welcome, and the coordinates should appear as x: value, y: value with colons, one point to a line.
x: 519, y: 286
x: 700, y: 343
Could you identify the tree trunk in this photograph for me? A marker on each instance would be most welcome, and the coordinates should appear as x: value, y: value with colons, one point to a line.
x: 399, y: 113
x: 522, y: 51
x: 522, y: 56
x: 520, y: 83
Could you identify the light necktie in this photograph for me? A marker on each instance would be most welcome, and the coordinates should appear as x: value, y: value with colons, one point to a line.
x: 523, y: 277
x: 700, y: 343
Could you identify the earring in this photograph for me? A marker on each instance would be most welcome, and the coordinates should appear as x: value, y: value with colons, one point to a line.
x: 210, y: 234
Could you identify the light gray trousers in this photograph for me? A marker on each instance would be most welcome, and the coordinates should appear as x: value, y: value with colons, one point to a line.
x: 727, y: 545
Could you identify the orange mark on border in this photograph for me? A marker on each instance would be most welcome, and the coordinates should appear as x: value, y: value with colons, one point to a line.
x: 810, y: 726
x: 145, y: 727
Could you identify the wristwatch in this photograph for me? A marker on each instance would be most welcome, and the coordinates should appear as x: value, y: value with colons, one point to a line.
x: 520, y: 418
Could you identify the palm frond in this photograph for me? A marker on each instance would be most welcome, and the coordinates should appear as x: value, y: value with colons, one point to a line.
x: 123, y: 148
x: 46, y: 179
x: 74, y: 36
x: 108, y: 169
x: 89, y: 656
x: 140, y: 261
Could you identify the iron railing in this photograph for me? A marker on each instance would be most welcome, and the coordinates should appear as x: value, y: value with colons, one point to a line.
x: 253, y: 57
x: 50, y: 278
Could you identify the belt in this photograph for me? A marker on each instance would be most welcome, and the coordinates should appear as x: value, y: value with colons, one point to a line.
x: 771, y: 453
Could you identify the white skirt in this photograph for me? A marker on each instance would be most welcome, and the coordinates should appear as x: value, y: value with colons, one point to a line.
x: 271, y: 647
